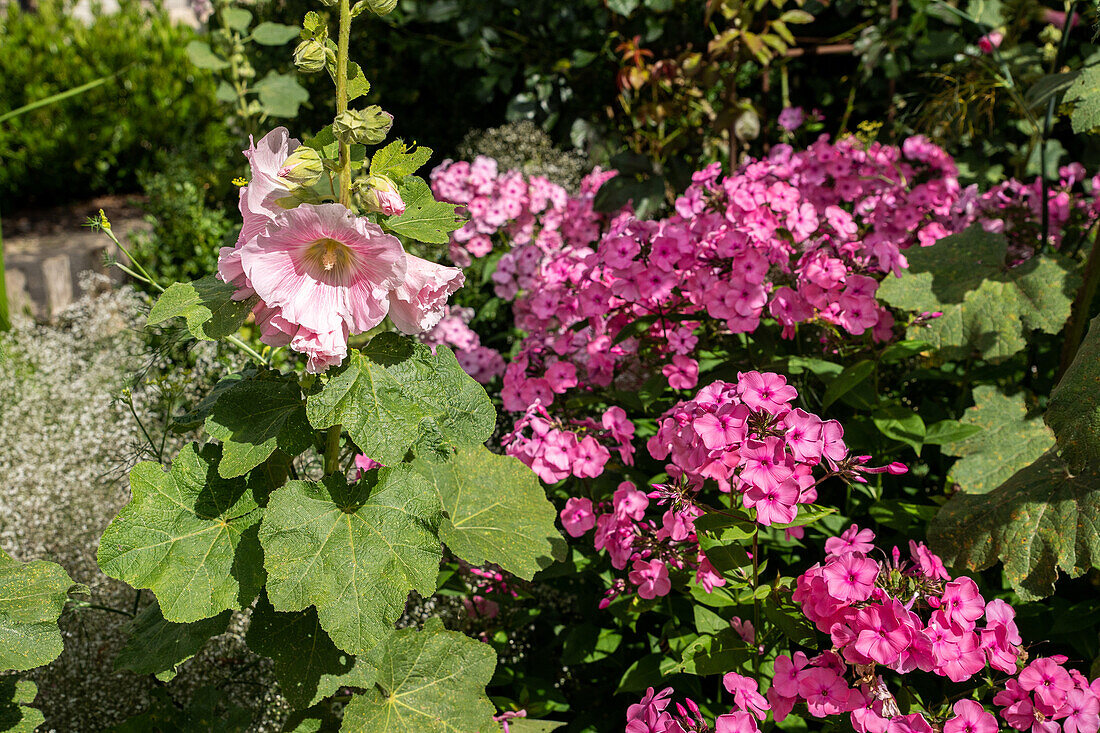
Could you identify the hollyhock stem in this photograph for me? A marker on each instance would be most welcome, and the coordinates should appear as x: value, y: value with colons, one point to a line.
x: 342, y: 44
x: 332, y: 450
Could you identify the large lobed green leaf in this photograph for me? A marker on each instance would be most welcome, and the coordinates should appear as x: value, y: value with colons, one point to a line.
x: 396, y: 395
x: 987, y: 307
x: 430, y: 681
x: 189, y: 535
x: 395, y: 161
x: 1074, y: 409
x: 1008, y: 441
x: 353, y: 551
x: 206, y: 304
x: 158, y: 647
x: 253, y: 417
x: 1084, y: 93
x: 307, y: 664
x: 425, y: 219
x: 16, y: 715
x: 1042, y: 520
x: 32, y: 597
x: 497, y: 511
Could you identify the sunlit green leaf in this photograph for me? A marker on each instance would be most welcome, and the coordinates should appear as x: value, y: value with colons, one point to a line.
x: 206, y: 304
x: 32, y: 597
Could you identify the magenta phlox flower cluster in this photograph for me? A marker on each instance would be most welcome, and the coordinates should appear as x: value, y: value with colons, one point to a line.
x: 555, y: 450
x: 750, y: 440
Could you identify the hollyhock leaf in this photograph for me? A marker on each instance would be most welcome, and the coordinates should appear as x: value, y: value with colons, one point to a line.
x: 1084, y: 93
x: 254, y: 417
x: 156, y: 646
x: 208, y: 306
x: 1041, y: 520
x: 358, y: 86
x: 16, y: 715
x: 1074, y: 409
x: 280, y: 94
x: 203, y: 57
x: 425, y: 219
x: 396, y: 161
x: 430, y: 681
x: 273, y: 34
x: 308, y: 666
x: 209, y: 710
x: 188, y: 535
x: 527, y: 725
x: 497, y: 511
x: 396, y: 395
x: 1007, y: 441
x: 237, y: 18
x: 32, y: 597
x: 987, y: 307
x: 353, y: 551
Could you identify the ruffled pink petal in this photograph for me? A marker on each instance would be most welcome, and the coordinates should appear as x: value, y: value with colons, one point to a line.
x: 418, y: 303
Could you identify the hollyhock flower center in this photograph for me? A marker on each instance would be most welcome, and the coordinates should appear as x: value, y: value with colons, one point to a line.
x: 329, y: 261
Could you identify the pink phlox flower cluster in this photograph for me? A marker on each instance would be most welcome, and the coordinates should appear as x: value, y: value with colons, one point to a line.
x: 647, y: 547
x: 485, y: 584
x: 480, y: 362
x: 555, y: 450
x: 749, y: 439
x: 651, y: 714
x: 320, y: 273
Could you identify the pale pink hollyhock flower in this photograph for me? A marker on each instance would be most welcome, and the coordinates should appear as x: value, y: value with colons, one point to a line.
x: 382, y: 196
x: 577, y: 517
x: 970, y: 717
x: 324, y: 268
x: 990, y: 41
x: 267, y: 184
x: 418, y: 302
x: 651, y: 577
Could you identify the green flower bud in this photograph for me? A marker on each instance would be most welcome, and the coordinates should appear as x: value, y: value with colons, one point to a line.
x: 382, y: 7
x: 369, y: 126
x: 310, y: 56
x: 381, y: 196
x: 303, y: 168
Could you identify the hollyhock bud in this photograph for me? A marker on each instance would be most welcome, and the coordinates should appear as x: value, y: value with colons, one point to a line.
x: 381, y: 196
x: 382, y: 7
x: 310, y: 56
x: 303, y: 168
x: 990, y: 41
x: 369, y: 126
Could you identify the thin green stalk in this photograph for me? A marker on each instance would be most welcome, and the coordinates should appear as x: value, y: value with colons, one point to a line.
x: 246, y: 349
x: 332, y: 450
x: 755, y: 585
x: 342, y: 45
